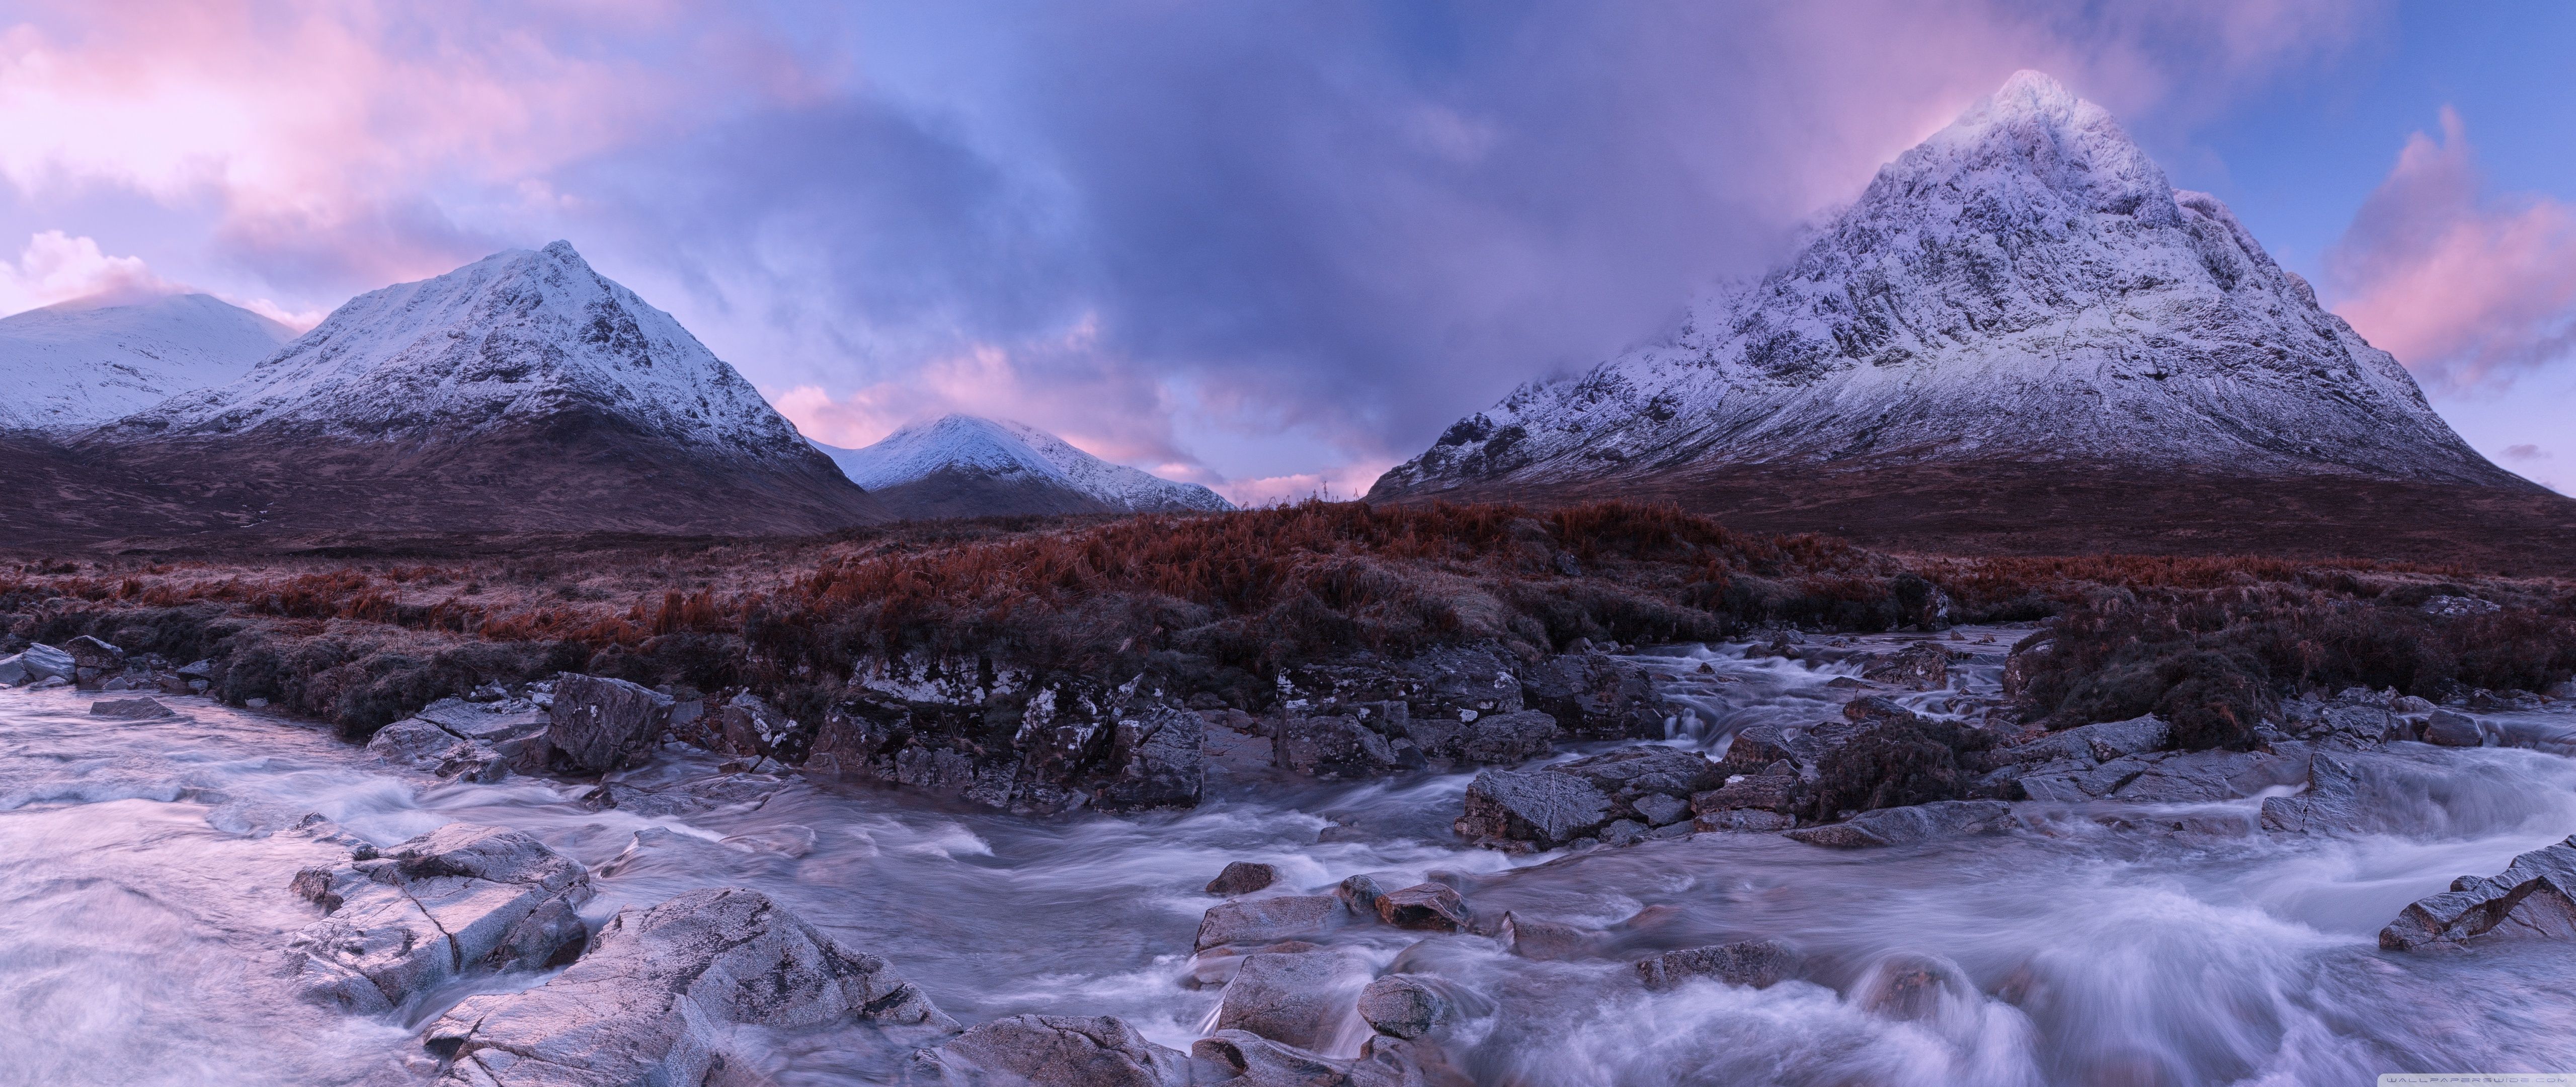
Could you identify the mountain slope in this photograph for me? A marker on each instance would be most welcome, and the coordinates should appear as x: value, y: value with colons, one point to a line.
x: 522, y: 393
x: 965, y: 466
x: 79, y: 364
x: 2022, y: 294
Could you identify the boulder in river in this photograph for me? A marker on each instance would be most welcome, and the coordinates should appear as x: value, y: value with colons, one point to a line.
x: 424, y: 746
x: 1923, y: 666
x: 1757, y: 963
x: 1596, y: 696
x: 1489, y: 739
x: 35, y: 664
x: 1156, y: 760
x: 1050, y: 1051
x: 1334, y: 746
x: 1908, y: 825
x: 1243, y: 878
x: 664, y: 994
x: 2332, y: 801
x: 457, y: 899
x: 131, y: 709
x: 599, y: 724
x: 1268, y: 920
x: 2534, y: 898
x: 1521, y: 809
x: 2450, y: 729
x: 1294, y: 997
x: 1429, y: 906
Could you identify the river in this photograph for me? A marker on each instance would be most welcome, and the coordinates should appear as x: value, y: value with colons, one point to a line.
x: 144, y: 870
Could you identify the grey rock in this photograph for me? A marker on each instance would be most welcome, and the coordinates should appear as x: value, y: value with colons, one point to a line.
x: 1297, y: 998
x: 457, y: 899
x: 1910, y: 987
x: 1776, y: 789
x: 1536, y: 807
x: 662, y: 993
x: 1508, y: 737
x: 90, y: 652
x: 2450, y: 729
x: 1404, y: 1006
x: 2101, y: 742
x: 1757, y: 963
x: 1923, y: 666
x: 598, y: 724
x: 2332, y: 801
x: 40, y: 662
x: 1050, y: 1051
x: 198, y: 669
x: 1596, y: 696
x: 1431, y: 906
x: 1159, y: 761
x: 131, y: 709
x: 1743, y: 821
x: 423, y: 746
x: 1550, y: 941
x: 2534, y: 898
x: 1904, y: 826
x: 1243, y: 878
x: 1361, y: 892
x: 1268, y: 920
x: 1621, y: 832
x: 1334, y: 747
x: 2202, y: 777
x: 1660, y: 810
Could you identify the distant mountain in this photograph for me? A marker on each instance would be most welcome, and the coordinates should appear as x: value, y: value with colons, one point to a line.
x: 522, y: 393
x: 2020, y: 318
x: 81, y: 363
x: 964, y: 466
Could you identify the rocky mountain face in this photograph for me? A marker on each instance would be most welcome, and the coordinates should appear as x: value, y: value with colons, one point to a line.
x: 522, y: 393
x: 964, y: 466
x: 81, y: 363
x: 2020, y: 301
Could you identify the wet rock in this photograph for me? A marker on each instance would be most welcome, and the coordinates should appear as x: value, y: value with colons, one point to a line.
x: 1658, y: 809
x: 36, y: 664
x: 198, y: 669
x: 749, y: 726
x: 1268, y: 920
x: 2202, y: 777
x: 1631, y: 774
x: 1361, y: 892
x: 1915, y: 988
x: 1596, y: 696
x: 663, y: 995
x: 90, y: 652
x: 1254, y: 1061
x: 1403, y: 1006
x: 1905, y: 826
x: 2100, y: 742
x: 2534, y: 898
x: 1507, y: 808
x: 1334, y: 747
x: 1549, y: 941
x: 515, y: 730
x: 2332, y: 801
x: 1296, y: 998
x: 2449, y: 729
x: 1431, y: 906
x: 1050, y: 1051
x: 1508, y: 738
x: 1923, y: 666
x: 1743, y: 821
x: 2073, y: 782
x: 461, y: 898
x: 1778, y: 788
x: 598, y: 724
x: 131, y: 709
x: 1157, y: 759
x: 1243, y: 878
x: 1757, y: 963
x: 426, y: 747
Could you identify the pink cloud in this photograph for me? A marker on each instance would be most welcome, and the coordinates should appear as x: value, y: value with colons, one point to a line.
x: 2465, y: 287
x: 55, y: 267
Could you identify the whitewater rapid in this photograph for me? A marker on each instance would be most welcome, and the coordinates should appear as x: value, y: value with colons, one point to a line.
x: 144, y: 870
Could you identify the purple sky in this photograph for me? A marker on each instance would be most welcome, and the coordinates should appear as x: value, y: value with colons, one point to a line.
x: 1271, y: 247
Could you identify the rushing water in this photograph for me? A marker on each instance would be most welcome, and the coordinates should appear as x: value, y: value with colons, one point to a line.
x: 143, y: 873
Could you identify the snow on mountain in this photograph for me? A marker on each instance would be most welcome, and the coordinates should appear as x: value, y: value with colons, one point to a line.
x: 1013, y: 467
x: 2023, y: 286
x: 78, y: 364
x: 513, y: 339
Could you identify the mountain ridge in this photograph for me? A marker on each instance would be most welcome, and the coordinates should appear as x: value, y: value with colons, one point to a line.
x: 78, y: 364
x: 967, y: 466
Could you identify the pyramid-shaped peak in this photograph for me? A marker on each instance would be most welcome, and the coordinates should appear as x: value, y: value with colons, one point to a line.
x: 2034, y: 92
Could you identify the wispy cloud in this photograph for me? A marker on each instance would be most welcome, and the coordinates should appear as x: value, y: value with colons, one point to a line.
x: 2466, y: 286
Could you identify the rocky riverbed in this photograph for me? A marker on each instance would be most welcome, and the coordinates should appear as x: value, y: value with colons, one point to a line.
x: 202, y: 894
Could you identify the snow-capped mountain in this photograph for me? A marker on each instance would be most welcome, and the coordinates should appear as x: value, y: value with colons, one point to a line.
x: 523, y: 392
x: 81, y: 363
x: 2024, y: 287
x: 965, y: 466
